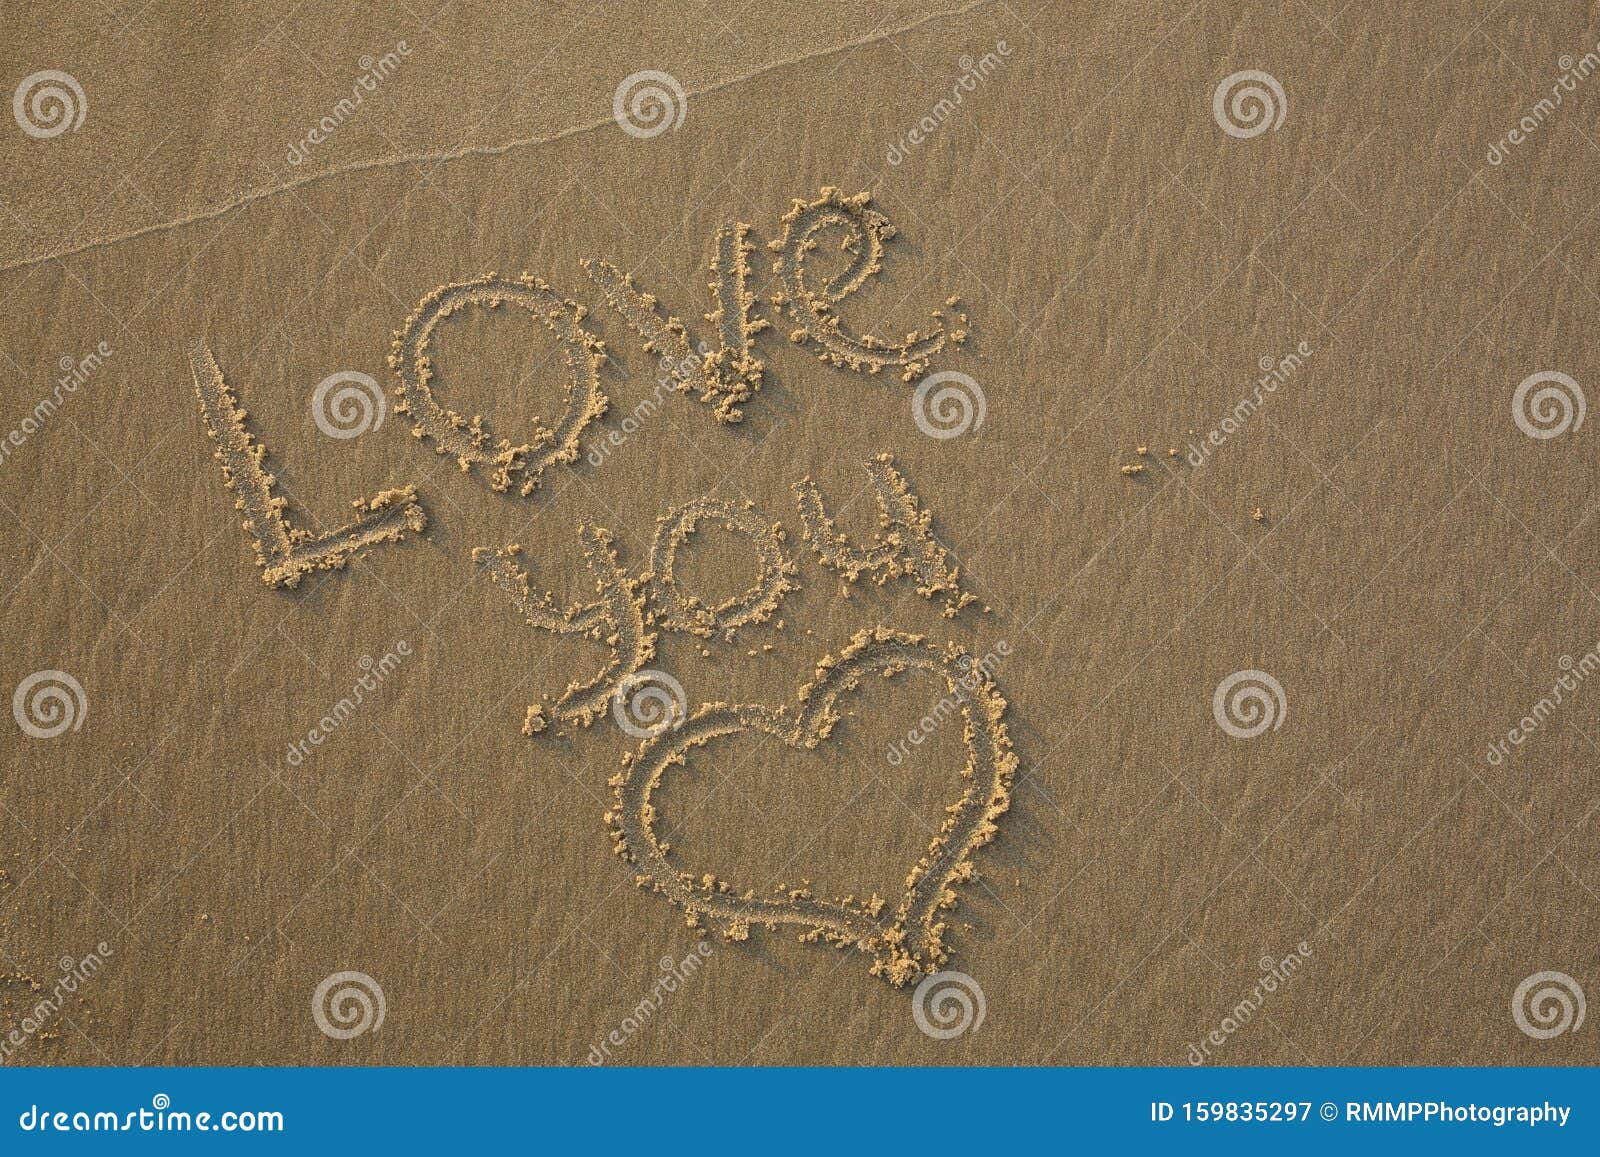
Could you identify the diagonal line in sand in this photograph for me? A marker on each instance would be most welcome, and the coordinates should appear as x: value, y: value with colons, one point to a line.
x: 437, y: 158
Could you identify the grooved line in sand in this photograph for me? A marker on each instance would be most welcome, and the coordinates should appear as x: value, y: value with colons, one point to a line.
x: 904, y: 544
x: 910, y: 943
x: 726, y: 376
x: 865, y: 230
x: 438, y: 158
x: 617, y: 618
x: 453, y: 434
x: 685, y: 612
x: 286, y: 553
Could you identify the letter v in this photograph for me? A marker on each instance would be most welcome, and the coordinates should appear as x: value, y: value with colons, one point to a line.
x: 726, y: 376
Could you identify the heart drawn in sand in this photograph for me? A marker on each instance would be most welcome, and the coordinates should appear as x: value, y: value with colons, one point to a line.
x: 910, y: 940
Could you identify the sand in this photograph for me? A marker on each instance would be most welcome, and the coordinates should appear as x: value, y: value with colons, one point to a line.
x: 1001, y: 489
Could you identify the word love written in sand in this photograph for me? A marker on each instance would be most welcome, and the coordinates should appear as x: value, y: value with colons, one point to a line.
x: 631, y: 608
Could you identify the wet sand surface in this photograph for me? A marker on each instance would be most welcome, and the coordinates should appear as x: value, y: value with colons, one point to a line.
x: 1092, y: 504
